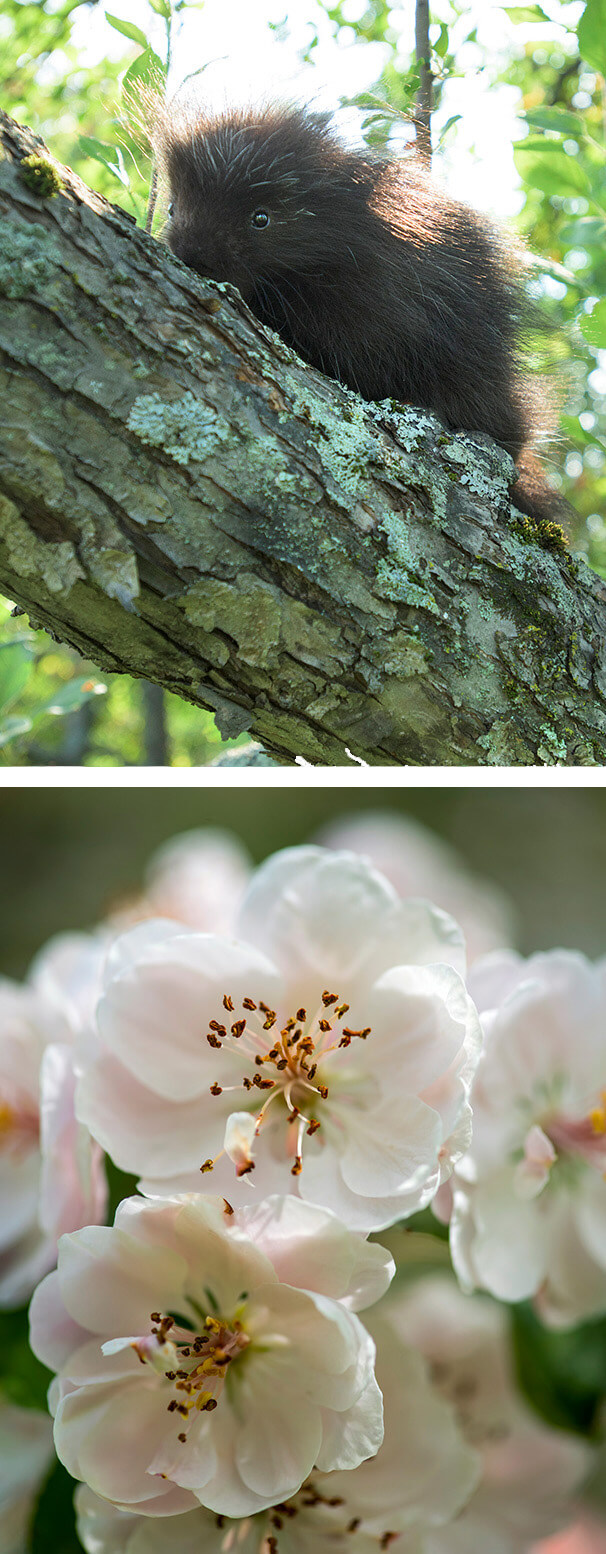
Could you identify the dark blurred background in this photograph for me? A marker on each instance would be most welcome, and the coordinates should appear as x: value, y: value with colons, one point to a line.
x: 69, y: 855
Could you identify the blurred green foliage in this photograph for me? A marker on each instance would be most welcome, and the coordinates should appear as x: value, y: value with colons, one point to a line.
x: 558, y: 67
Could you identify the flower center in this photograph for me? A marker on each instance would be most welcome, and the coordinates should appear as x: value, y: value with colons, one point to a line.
x: 564, y: 1139
x: 285, y: 1064
x: 328, y: 1512
x: 19, y: 1124
x: 194, y: 1364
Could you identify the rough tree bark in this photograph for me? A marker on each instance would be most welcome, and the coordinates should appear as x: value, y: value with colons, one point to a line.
x: 181, y: 498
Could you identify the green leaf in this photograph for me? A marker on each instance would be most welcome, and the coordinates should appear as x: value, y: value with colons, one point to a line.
x: 146, y: 68
x: 54, y: 1525
x: 11, y: 728
x: 23, y: 1379
x: 593, y: 325
x: 70, y: 697
x: 555, y: 119
x: 527, y: 13
x: 585, y: 232
x: 110, y: 157
x: 441, y: 47
x: 15, y: 668
x: 128, y: 29
x: 544, y: 165
x: 563, y: 1374
x: 591, y: 33
x: 162, y: 8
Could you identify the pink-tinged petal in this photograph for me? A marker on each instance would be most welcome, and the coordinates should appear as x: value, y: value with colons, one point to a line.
x: 591, y: 1218
x: 190, y: 1463
x: 108, y: 1436
x: 349, y: 1441
x: 73, y: 1188
x: 103, y: 1529
x: 392, y: 1147
x: 199, y: 878
x: 321, y: 1182
x: 311, y: 1249
x: 216, y: 1253
x: 23, y: 1265
x: 275, y: 1465
x: 111, y: 1283
x: 155, y: 1015
x: 54, y: 1336
x: 509, y: 1244
x: 19, y: 1183
x: 142, y: 1130
x: 423, y: 1024
x: 313, y: 912
x: 226, y: 1493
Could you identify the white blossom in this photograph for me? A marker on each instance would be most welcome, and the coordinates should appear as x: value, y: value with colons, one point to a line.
x: 210, y: 1356
x: 328, y: 1049
x: 530, y: 1196
x: 26, y: 1452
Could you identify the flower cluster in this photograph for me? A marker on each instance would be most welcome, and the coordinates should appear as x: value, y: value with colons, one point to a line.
x: 291, y: 1061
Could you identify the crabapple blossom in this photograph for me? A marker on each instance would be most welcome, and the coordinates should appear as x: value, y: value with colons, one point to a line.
x: 421, y: 1476
x: 417, y: 862
x: 587, y: 1536
x: 207, y: 1355
x: 26, y: 1452
x: 528, y: 1471
x: 327, y: 1050
x: 51, y: 1172
x: 529, y: 1214
x: 197, y: 878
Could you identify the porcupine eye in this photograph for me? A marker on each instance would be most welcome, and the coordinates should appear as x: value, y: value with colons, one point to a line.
x: 171, y: 209
x: 260, y: 219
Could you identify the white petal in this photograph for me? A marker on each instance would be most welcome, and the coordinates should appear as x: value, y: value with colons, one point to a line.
x: 111, y: 1283
x: 311, y: 1249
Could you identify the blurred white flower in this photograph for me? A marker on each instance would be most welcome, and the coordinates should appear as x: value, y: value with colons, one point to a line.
x: 26, y: 1452
x: 51, y: 1172
x: 419, y: 863
x: 210, y: 1356
x: 528, y: 1471
x: 421, y: 1476
x: 585, y: 1536
x: 197, y: 878
x: 529, y: 1213
x: 328, y: 1050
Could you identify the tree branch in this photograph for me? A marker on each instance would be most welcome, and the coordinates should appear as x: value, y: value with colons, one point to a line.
x: 184, y: 500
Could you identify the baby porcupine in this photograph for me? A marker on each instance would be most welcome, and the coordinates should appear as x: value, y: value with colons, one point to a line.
x: 363, y: 265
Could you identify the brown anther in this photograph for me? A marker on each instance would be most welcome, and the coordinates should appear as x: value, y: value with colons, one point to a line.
x: 220, y: 1029
x: 208, y: 1407
x: 182, y: 1437
x: 361, y: 1034
x: 263, y: 1084
x: 213, y: 1041
x: 208, y: 1165
x: 323, y: 1091
x: 170, y: 1375
x: 353, y: 1525
x: 328, y: 999
x: 275, y: 1053
x: 324, y: 1025
x: 276, y: 1521
x: 247, y: 1083
x: 216, y: 1089
x: 156, y: 1316
x: 259, y: 1061
x: 243, y: 1170
x: 293, y: 1114
x: 336, y: 1500
x: 313, y: 1071
x: 248, y: 1003
x: 228, y: 1002
x: 272, y: 1545
x: 172, y: 1405
x: 313, y: 1126
x: 340, y: 1010
x: 238, y: 1027
x: 282, y: 1063
x: 301, y: 1014
x: 297, y: 1168
x: 269, y: 1020
x: 388, y: 1537
x: 181, y: 1409
x: 345, y: 1041
x: 228, y: 1207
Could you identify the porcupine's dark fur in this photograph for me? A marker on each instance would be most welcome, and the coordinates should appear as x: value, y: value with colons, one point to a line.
x: 366, y: 267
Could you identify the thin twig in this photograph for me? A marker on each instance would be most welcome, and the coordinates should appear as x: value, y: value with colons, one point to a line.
x: 424, y: 94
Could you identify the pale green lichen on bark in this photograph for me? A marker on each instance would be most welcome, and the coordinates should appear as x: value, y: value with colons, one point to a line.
x: 186, y: 428
x: 29, y: 258
x: 55, y: 562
